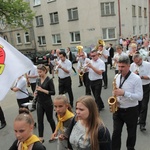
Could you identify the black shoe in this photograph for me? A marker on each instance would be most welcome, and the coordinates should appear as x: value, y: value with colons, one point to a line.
x: 32, y: 109
x: 105, y: 87
x: 142, y: 127
x: 2, y: 125
x: 80, y: 85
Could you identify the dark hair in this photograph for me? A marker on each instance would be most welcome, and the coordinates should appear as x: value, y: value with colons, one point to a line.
x: 124, y: 59
x: 25, y: 115
x: 94, y: 51
x: 62, y: 53
x: 42, y: 67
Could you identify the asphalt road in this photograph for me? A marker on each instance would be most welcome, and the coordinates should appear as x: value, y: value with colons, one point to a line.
x: 10, y: 108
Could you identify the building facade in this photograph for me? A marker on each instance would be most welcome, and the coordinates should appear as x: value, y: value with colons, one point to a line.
x: 68, y: 23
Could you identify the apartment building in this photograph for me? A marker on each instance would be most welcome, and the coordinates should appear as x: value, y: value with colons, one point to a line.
x: 63, y: 23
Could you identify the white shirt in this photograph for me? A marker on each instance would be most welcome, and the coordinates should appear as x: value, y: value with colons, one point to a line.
x: 117, y: 55
x: 144, y: 53
x: 100, y: 65
x: 144, y: 70
x: 67, y: 65
x: 21, y: 84
x: 83, y: 63
x: 33, y: 72
x: 133, y: 91
x: 105, y: 52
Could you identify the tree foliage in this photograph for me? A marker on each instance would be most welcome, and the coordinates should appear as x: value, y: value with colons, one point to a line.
x: 15, y: 13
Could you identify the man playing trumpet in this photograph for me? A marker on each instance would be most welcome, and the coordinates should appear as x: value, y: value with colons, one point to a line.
x: 84, y: 71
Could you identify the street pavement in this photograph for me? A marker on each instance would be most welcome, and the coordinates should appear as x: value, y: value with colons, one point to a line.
x: 10, y: 109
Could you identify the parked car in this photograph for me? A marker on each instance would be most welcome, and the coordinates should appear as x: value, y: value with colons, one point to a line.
x: 42, y: 57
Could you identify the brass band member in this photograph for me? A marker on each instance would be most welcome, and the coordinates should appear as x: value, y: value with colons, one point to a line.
x: 104, y: 57
x: 96, y: 68
x: 84, y: 71
x: 64, y: 79
x: 128, y: 94
x: 142, y: 68
x: 119, y: 53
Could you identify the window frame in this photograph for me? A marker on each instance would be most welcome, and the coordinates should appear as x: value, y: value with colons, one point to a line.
x: 56, y: 38
x: 111, y: 7
x: 18, y: 39
x: 145, y: 12
x: 107, y: 34
x: 71, y: 14
x: 41, y: 41
x: 73, y: 37
x: 140, y: 11
x: 50, y: 1
x: 26, y: 36
x: 39, y: 21
x: 133, y: 11
x: 38, y: 2
x: 53, y: 17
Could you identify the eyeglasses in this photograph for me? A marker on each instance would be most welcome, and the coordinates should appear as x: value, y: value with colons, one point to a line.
x: 81, y: 55
x: 93, y: 55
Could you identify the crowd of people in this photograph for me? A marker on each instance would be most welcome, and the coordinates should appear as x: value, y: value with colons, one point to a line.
x: 84, y: 129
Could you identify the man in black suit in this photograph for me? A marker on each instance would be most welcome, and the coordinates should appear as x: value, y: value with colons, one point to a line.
x: 111, y: 55
x: 70, y: 57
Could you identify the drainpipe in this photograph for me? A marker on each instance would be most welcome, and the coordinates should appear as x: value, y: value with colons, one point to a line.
x: 119, y: 17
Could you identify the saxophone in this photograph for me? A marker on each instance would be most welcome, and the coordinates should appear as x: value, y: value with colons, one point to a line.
x: 112, y: 101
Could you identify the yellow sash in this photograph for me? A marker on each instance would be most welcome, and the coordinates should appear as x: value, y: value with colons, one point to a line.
x: 28, y: 142
x: 67, y: 116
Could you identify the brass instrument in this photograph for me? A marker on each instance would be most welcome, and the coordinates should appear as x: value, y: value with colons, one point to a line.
x: 56, y: 66
x: 101, y: 42
x: 112, y: 101
x: 80, y: 49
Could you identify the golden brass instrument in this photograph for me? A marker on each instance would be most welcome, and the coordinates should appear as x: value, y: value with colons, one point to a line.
x: 80, y: 49
x: 112, y: 101
x: 101, y: 42
x: 56, y: 66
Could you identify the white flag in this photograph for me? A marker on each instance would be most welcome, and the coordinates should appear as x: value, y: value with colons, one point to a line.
x: 12, y: 65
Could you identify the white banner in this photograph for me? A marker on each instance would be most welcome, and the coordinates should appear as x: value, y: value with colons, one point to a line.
x: 12, y: 65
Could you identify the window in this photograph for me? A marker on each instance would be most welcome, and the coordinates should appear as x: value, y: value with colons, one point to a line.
x: 56, y: 38
x: 37, y: 2
x: 140, y: 12
x: 107, y: 9
x: 18, y: 38
x: 41, y: 40
x: 27, y: 38
x: 75, y: 36
x: 54, y: 18
x: 134, y: 30
x: 51, y: 0
x: 73, y: 14
x: 133, y: 11
x: 140, y: 29
x: 145, y: 13
x: 109, y: 33
x: 39, y: 21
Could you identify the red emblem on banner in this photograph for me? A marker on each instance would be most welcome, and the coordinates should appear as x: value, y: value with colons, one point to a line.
x: 2, y: 59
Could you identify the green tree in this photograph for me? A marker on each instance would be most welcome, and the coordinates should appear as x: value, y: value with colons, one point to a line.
x: 16, y: 13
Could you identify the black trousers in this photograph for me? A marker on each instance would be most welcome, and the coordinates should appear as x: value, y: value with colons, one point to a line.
x: 47, y: 108
x: 33, y: 86
x: 2, y: 118
x: 104, y: 74
x: 21, y: 101
x: 129, y: 117
x: 65, y: 85
x: 96, y: 87
x: 86, y: 82
x: 143, y: 105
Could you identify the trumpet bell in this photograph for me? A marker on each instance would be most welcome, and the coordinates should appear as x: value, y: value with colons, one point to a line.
x: 80, y: 48
x: 101, y: 42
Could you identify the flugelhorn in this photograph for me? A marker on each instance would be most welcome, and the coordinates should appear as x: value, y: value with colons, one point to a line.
x: 112, y: 101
